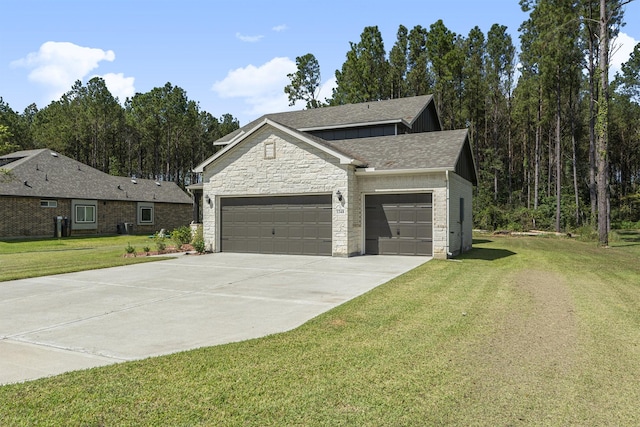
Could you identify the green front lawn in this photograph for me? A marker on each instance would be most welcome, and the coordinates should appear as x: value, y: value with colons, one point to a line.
x: 21, y: 259
x: 520, y: 331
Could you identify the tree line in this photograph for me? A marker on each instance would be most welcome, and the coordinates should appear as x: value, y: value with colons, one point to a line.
x: 160, y: 134
x: 556, y: 142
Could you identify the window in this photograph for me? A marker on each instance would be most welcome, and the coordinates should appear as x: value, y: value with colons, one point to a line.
x: 145, y: 213
x: 270, y: 150
x: 48, y: 203
x: 85, y: 214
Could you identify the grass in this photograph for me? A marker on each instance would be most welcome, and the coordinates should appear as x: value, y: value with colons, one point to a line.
x: 20, y: 259
x: 520, y: 331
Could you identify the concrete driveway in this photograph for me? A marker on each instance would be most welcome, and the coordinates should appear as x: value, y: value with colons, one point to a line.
x: 55, y: 324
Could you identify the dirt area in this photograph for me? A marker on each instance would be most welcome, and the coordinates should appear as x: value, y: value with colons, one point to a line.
x: 542, y: 333
x: 169, y: 250
x: 532, y: 350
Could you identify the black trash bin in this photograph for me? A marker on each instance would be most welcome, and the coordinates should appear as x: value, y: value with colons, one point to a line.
x: 66, y: 230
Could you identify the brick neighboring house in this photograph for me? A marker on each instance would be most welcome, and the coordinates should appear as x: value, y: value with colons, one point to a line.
x: 39, y: 186
x: 370, y: 178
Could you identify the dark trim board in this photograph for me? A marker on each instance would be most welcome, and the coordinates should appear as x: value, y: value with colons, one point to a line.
x: 276, y: 224
x: 399, y: 224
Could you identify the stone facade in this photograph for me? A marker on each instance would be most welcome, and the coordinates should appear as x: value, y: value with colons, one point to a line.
x: 271, y: 162
x: 24, y: 217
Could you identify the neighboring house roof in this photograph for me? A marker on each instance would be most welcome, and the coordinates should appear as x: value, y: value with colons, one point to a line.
x: 400, y: 110
x: 47, y: 174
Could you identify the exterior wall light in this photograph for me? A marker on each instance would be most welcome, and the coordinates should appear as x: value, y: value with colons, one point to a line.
x: 339, y: 195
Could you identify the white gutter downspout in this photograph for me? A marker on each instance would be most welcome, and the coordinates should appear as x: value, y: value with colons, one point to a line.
x: 449, y: 254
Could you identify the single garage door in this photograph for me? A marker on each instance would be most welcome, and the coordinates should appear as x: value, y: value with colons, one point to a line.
x: 277, y: 225
x: 399, y: 224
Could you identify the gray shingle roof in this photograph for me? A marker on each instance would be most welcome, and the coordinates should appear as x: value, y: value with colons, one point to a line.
x: 425, y: 150
x: 39, y: 173
x: 387, y: 111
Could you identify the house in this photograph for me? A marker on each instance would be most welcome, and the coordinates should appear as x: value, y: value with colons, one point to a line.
x: 43, y: 193
x: 370, y: 178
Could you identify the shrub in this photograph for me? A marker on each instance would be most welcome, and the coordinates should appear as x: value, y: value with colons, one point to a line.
x: 147, y: 249
x: 130, y: 249
x: 161, y: 243
x: 198, y: 241
x: 181, y: 236
x: 586, y: 233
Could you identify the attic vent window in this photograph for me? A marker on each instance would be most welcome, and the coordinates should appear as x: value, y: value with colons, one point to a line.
x: 269, y: 150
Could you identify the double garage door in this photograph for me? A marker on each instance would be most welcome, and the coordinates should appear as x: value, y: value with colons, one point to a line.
x: 398, y: 224
x: 277, y: 225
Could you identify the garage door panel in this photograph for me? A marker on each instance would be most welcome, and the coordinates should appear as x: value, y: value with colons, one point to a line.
x: 324, y: 234
x: 296, y: 231
x: 251, y: 217
x: 324, y: 215
x: 407, y: 247
x: 424, y: 214
x: 424, y: 231
x: 424, y: 247
x: 388, y: 246
x: 279, y: 246
x: 311, y: 233
x: 407, y: 231
x: 295, y: 217
x: 399, y: 224
x: 282, y: 224
x: 279, y: 216
x: 239, y: 232
x: 264, y: 231
x: 294, y: 246
x: 408, y: 215
x: 322, y: 246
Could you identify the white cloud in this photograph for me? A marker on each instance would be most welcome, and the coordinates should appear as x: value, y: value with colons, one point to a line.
x: 249, y: 39
x: 279, y: 28
x: 120, y: 86
x: 326, y: 90
x: 621, y: 49
x: 57, y: 65
x: 260, y: 88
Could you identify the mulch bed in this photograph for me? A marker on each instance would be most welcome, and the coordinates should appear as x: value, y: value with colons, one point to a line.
x: 186, y: 249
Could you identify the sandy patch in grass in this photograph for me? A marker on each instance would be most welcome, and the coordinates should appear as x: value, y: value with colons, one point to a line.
x: 524, y: 365
x: 539, y: 334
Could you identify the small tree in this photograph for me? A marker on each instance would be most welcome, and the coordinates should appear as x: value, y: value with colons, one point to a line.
x: 305, y: 83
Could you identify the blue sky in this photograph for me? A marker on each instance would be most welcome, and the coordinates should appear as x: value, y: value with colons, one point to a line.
x: 230, y: 56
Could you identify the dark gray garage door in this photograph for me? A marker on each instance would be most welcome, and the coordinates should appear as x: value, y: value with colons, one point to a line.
x: 277, y: 225
x: 399, y: 224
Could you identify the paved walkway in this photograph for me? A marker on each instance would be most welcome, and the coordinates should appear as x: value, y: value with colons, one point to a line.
x: 54, y: 324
